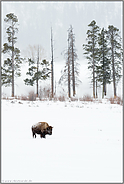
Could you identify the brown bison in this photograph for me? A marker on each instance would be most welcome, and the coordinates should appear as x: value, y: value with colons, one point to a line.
x: 41, y: 128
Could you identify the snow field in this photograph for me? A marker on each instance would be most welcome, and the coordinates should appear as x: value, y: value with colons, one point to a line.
x: 86, y: 144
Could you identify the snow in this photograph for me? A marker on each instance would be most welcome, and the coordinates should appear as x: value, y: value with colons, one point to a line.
x: 86, y: 144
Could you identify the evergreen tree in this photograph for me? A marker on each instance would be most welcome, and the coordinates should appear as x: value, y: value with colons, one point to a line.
x: 103, y: 68
x: 36, y: 72
x: 11, y: 65
x: 91, y: 51
x: 34, y: 54
x: 116, y: 55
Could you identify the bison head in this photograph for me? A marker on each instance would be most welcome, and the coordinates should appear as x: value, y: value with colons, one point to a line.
x: 49, y: 130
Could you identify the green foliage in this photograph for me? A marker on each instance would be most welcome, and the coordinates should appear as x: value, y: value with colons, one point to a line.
x: 14, y: 53
x: 6, y: 70
x: 36, y: 75
x: 103, y: 67
x: 116, y: 51
x: 104, y: 54
x: 11, y: 18
x: 91, y: 51
x: 6, y: 77
x: 91, y: 48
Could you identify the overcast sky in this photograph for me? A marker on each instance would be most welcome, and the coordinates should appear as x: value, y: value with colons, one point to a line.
x: 36, y: 19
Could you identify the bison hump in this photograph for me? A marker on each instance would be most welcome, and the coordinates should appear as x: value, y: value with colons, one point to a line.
x: 41, y: 126
x: 44, y: 125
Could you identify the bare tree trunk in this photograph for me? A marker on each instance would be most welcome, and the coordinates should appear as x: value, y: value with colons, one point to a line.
x: 93, y: 72
x: 103, y: 71
x: 37, y: 71
x: 12, y: 60
x: 96, y: 89
x: 69, y: 90
x: 73, y: 74
x: 103, y: 92
x: 93, y: 81
x: 55, y: 89
x: 105, y: 89
x: 113, y: 67
x: 52, y: 77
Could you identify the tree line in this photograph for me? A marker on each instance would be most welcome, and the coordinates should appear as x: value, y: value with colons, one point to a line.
x: 105, y: 56
x: 103, y: 51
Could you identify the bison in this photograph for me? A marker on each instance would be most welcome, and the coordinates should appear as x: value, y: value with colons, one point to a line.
x: 41, y: 128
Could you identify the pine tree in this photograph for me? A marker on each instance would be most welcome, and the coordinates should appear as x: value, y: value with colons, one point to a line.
x: 91, y: 51
x: 11, y: 65
x: 116, y: 55
x: 36, y: 72
x: 35, y: 54
x: 103, y: 67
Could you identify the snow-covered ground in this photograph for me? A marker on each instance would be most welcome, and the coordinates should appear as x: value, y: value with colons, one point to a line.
x: 86, y: 144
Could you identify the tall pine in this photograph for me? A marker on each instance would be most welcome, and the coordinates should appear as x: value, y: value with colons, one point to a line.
x: 91, y: 51
x: 12, y: 64
x: 116, y: 55
x: 103, y: 68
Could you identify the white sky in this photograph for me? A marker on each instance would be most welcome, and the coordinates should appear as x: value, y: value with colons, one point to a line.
x: 35, y: 21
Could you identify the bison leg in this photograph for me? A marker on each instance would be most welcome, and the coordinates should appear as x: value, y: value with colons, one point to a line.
x: 42, y: 135
x: 34, y: 135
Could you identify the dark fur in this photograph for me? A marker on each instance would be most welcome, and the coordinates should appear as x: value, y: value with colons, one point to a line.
x: 43, y: 132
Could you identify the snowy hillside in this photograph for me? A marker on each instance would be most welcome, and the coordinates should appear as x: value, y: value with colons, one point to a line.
x: 86, y: 144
